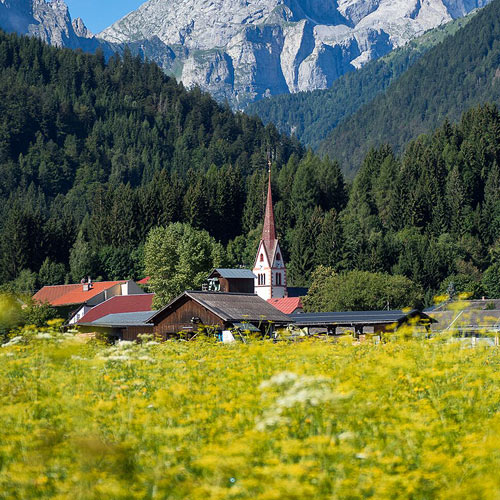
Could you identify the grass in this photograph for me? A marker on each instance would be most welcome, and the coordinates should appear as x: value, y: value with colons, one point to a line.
x: 199, y: 420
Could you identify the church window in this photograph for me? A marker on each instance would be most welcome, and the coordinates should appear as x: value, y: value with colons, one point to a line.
x: 262, y: 279
x: 278, y: 256
x: 262, y: 257
x: 278, y: 278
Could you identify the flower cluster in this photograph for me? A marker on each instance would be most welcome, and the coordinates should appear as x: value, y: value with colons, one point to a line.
x: 261, y: 420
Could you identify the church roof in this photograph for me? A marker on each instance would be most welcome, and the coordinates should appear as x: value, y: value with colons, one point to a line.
x: 269, y: 230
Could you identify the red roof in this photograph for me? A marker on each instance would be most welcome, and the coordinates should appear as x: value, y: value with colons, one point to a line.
x: 62, y: 295
x: 144, y: 281
x: 120, y: 304
x: 287, y: 305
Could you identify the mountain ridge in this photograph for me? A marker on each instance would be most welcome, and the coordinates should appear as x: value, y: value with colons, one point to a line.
x: 256, y: 48
x: 459, y: 73
x: 310, y: 116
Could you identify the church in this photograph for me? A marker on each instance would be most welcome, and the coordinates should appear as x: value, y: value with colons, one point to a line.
x: 269, y: 266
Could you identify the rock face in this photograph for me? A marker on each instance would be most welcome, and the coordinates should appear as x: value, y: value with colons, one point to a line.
x: 242, y: 50
x: 48, y: 20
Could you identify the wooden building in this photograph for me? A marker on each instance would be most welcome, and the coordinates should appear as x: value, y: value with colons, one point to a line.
x: 232, y: 280
x: 120, y: 326
x: 219, y: 311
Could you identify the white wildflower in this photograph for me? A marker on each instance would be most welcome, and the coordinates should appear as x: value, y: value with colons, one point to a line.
x: 13, y: 341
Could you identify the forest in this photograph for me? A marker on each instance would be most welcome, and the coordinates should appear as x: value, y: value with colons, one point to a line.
x: 95, y: 154
x: 311, y: 116
x: 459, y: 73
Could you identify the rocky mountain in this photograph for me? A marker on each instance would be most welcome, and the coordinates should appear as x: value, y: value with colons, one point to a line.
x: 49, y: 21
x: 311, y: 116
x: 242, y: 50
x: 460, y: 73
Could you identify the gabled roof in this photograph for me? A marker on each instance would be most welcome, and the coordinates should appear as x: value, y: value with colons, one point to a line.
x: 51, y: 294
x: 234, y: 273
x: 230, y: 307
x: 287, y: 305
x: 62, y: 295
x: 120, y: 304
x: 122, y: 320
x: 350, y: 318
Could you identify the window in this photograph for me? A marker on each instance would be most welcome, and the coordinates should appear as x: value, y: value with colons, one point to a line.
x: 278, y: 278
x: 261, y: 279
x: 278, y: 256
x: 262, y: 257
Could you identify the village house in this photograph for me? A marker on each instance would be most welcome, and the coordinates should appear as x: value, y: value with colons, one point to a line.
x: 75, y: 300
x: 467, y: 318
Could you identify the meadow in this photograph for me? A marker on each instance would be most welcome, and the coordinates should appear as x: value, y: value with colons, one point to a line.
x: 269, y: 421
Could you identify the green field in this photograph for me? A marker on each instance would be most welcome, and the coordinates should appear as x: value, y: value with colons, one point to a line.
x: 200, y: 420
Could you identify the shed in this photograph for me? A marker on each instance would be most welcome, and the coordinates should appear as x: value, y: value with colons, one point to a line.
x: 121, y: 326
x: 220, y: 310
x: 380, y: 321
x: 232, y: 280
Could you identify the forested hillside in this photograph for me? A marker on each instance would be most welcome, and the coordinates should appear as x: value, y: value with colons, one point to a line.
x: 310, y: 116
x: 459, y: 73
x: 95, y: 155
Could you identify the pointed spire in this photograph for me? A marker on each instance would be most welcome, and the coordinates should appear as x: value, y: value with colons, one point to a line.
x: 269, y: 230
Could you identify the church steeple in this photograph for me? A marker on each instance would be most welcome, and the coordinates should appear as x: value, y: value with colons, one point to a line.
x: 269, y: 230
x: 269, y: 266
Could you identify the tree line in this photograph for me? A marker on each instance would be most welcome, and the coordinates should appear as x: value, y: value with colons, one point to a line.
x: 94, y: 156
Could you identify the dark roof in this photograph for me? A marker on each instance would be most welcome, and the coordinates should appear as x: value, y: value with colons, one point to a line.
x: 230, y: 307
x: 297, y: 291
x: 122, y: 320
x: 355, y: 317
x: 234, y: 273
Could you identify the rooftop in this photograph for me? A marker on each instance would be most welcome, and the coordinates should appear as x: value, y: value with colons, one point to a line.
x: 234, y: 273
x: 61, y: 295
x: 120, y: 304
x: 287, y: 305
x: 121, y: 320
x: 230, y: 307
x: 351, y: 318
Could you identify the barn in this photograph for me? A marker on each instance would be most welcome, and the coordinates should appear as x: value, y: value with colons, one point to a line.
x: 217, y: 310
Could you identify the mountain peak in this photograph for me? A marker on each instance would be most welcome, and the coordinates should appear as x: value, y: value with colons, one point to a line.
x: 245, y: 49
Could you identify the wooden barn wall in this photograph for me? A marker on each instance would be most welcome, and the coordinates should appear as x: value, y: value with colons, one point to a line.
x: 237, y: 285
x: 180, y: 318
x: 133, y: 332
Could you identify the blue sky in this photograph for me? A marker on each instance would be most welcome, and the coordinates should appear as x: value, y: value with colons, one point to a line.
x: 99, y: 14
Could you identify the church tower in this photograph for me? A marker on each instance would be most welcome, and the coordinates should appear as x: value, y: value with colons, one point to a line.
x: 269, y: 266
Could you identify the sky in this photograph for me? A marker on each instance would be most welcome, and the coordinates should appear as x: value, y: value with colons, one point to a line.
x: 99, y: 14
